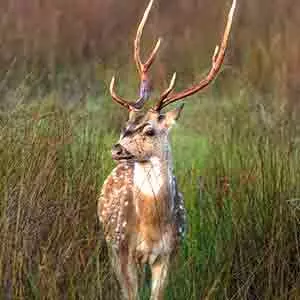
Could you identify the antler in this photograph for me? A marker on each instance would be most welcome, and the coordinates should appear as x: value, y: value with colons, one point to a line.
x: 217, y: 60
x: 142, y: 68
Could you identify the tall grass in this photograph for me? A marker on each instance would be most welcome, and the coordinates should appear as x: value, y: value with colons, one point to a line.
x: 239, y: 177
x: 51, y: 169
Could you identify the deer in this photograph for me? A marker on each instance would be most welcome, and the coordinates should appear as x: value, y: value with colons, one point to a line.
x: 141, y: 210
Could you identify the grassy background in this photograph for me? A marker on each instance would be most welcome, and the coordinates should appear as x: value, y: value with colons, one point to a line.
x: 61, y: 44
x: 236, y: 148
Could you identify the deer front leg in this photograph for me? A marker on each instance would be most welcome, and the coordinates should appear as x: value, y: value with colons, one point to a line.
x: 159, y: 270
x: 125, y: 269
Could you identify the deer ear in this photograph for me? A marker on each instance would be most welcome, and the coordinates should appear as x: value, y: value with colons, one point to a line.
x: 172, y: 116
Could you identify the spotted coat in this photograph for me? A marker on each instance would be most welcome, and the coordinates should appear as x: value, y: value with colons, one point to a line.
x: 116, y: 209
x: 115, y: 203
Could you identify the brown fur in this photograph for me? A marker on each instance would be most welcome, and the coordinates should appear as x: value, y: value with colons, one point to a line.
x: 141, y: 227
x: 141, y: 210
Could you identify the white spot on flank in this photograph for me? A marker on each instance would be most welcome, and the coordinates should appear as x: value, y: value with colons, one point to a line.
x: 148, y: 177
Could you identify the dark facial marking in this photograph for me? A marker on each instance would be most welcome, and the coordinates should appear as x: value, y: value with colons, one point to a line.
x: 132, y: 129
x: 161, y: 118
x: 126, y: 132
x: 149, y: 132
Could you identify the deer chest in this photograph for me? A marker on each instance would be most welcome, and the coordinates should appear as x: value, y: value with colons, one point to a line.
x: 126, y: 210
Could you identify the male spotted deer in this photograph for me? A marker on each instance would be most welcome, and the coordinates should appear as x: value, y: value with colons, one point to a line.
x: 140, y: 208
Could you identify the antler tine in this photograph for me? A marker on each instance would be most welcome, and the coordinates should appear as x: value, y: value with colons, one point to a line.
x: 120, y: 100
x: 152, y: 56
x: 166, y: 93
x: 217, y: 60
x: 143, y: 68
x: 170, y: 88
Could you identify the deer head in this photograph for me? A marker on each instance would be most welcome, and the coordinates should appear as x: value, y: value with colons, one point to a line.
x: 146, y: 134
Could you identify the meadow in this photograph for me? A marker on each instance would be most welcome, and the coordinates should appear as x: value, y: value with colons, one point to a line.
x: 236, y: 147
x: 238, y: 171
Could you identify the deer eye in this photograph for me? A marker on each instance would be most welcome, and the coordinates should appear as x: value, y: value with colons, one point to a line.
x: 149, y: 131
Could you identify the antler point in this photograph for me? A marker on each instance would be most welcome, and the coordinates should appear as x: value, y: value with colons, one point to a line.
x: 232, y: 9
x: 112, y: 82
x: 173, y: 79
x: 216, y: 52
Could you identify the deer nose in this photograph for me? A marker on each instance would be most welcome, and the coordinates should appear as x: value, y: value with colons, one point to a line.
x: 118, y: 152
x: 117, y: 149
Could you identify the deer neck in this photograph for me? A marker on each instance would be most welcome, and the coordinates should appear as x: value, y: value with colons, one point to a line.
x: 154, y: 178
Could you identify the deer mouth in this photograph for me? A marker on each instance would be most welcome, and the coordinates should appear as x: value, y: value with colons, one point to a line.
x: 122, y: 157
x: 118, y: 153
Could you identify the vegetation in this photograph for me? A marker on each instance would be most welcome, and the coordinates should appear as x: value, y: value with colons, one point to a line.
x: 236, y: 149
x: 239, y: 175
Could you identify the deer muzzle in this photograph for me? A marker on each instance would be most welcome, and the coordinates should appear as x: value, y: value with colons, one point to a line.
x: 118, y: 152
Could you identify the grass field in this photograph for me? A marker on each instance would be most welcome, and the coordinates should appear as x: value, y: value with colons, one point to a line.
x: 237, y: 166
